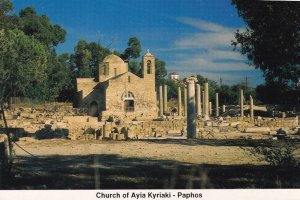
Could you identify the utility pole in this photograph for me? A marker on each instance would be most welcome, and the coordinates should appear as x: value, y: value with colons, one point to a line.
x: 221, y: 81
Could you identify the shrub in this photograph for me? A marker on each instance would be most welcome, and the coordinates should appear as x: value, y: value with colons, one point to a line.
x: 89, y: 131
x: 279, y: 154
x: 51, y: 134
x: 110, y: 119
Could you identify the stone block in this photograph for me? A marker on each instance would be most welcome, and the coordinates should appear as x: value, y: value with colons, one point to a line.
x: 61, y: 125
x: 234, y: 124
x: 224, y: 124
x: 208, y: 123
x: 120, y: 136
x: 258, y: 130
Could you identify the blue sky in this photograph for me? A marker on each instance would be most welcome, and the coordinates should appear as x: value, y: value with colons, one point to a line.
x: 192, y: 36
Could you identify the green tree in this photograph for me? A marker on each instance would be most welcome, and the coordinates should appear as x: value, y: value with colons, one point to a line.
x: 212, y: 87
x: 200, y: 79
x: 7, y: 21
x: 226, y: 95
x: 41, y: 28
x: 23, y: 64
x: 98, y: 53
x: 135, y: 67
x: 133, y: 50
x: 59, y: 75
x: 87, y: 57
x: 271, y: 39
x: 22, y: 67
x: 160, y: 72
x: 173, y: 88
x: 5, y: 7
x: 82, y: 59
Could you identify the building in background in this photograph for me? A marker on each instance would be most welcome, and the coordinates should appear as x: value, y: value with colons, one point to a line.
x: 174, y: 76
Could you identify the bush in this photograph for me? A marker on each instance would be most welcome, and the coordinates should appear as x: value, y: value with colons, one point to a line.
x: 110, y: 119
x: 279, y: 154
x: 89, y: 131
x: 46, y: 133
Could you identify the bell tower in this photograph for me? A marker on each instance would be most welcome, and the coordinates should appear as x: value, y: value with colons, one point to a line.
x: 148, y: 70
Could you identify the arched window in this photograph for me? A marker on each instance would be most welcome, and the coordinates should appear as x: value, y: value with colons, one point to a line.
x: 148, y: 67
x: 127, y: 96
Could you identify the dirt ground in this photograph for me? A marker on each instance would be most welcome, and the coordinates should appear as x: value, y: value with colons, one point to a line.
x: 163, y: 163
x: 178, y: 150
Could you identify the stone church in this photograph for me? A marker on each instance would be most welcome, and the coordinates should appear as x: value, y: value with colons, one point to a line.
x: 119, y: 93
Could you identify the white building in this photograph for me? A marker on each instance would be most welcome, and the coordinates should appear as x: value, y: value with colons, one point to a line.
x: 174, y: 76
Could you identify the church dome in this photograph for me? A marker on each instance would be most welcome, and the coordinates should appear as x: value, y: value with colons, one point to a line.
x: 112, y: 58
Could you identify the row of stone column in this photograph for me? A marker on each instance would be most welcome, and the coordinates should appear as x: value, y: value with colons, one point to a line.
x: 207, y: 106
x: 206, y: 109
x: 251, y: 106
x: 190, y: 104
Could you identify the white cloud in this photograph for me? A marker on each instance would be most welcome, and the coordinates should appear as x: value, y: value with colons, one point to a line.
x: 205, y: 40
x: 223, y: 54
x: 203, y: 65
x: 202, y: 25
x: 208, y: 51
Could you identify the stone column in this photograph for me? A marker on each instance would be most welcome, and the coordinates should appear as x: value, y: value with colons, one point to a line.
x: 198, y: 99
x: 191, y: 114
x: 217, y: 104
x: 251, y: 107
x: 185, y: 101
x: 165, y: 98
x: 206, y: 97
x: 242, y: 103
x: 161, y: 111
x: 210, y: 108
x: 179, y: 102
x: 223, y: 108
x: 203, y: 102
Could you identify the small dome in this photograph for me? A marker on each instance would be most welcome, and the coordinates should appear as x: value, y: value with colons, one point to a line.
x: 112, y: 58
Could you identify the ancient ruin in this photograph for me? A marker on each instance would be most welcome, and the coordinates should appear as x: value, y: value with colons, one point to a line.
x: 116, y: 91
x: 120, y: 106
x: 135, y: 111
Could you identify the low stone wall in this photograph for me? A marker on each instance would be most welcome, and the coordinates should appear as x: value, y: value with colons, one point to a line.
x: 139, y: 129
x: 26, y: 122
x: 272, y: 123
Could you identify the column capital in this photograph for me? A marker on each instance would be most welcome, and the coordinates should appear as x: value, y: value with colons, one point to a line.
x: 191, y: 80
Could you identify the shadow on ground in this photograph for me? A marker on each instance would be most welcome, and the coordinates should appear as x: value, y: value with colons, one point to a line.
x: 115, y: 172
x: 219, y: 142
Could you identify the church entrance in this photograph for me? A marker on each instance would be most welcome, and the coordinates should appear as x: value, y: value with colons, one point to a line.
x: 93, y: 109
x: 128, y: 99
x: 129, y: 105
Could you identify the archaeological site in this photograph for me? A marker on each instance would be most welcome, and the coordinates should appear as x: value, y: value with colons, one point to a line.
x: 189, y: 114
x: 120, y: 106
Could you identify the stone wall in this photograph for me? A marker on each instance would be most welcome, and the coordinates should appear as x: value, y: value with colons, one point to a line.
x: 85, y: 92
x: 145, y: 106
x: 112, y: 83
x: 26, y: 122
x: 272, y: 123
